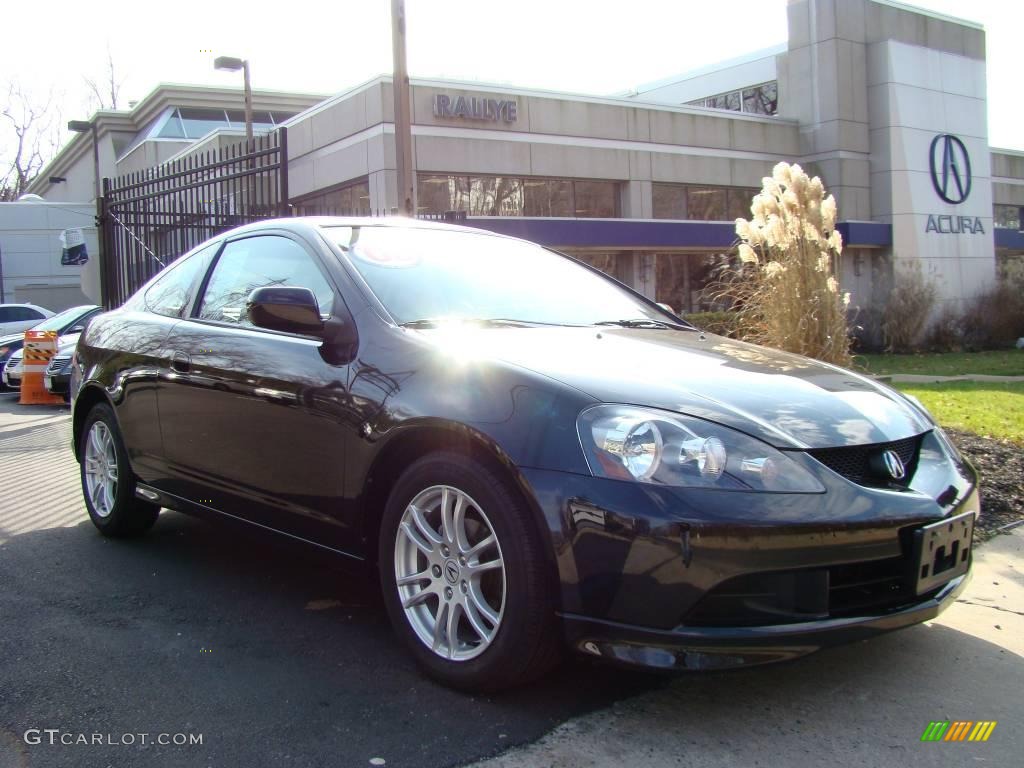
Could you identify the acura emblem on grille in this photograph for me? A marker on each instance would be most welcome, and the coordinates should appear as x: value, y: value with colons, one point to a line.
x: 894, y: 465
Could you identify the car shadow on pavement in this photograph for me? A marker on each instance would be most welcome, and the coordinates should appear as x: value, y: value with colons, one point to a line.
x: 270, y: 650
x: 277, y: 656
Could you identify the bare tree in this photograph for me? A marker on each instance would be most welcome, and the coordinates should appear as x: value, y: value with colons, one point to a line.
x: 29, y: 137
x: 105, y: 92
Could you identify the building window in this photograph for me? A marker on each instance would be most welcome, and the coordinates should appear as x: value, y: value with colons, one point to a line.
x: 352, y: 199
x: 701, y: 203
x: 516, y: 196
x: 1007, y: 216
x: 617, y: 265
x: 548, y: 197
x: 194, y: 122
x: 684, y: 277
x: 760, y: 99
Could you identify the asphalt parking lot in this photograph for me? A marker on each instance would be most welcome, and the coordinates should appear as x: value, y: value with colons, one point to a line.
x: 277, y: 658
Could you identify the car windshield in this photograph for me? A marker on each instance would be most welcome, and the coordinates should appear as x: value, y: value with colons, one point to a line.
x: 61, y: 319
x: 424, y: 275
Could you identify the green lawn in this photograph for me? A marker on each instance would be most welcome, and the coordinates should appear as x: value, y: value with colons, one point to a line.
x: 1002, y: 363
x: 990, y: 410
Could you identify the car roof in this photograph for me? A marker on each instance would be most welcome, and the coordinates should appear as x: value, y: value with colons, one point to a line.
x: 391, y: 222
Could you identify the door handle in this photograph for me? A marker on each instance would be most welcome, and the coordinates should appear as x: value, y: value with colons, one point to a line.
x: 181, y: 362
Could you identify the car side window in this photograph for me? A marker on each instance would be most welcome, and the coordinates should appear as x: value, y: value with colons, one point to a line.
x: 172, y: 292
x: 25, y: 313
x: 6, y: 314
x: 255, y: 262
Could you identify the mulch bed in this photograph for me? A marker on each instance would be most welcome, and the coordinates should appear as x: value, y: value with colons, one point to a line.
x: 1001, y: 466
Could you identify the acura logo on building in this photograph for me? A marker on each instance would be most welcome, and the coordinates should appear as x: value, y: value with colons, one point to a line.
x: 951, y: 168
x: 894, y: 465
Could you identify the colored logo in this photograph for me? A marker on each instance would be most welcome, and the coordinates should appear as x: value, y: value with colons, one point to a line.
x: 894, y: 465
x: 951, y: 168
x: 958, y: 730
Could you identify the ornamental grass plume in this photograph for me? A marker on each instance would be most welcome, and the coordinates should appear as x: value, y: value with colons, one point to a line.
x: 783, y: 289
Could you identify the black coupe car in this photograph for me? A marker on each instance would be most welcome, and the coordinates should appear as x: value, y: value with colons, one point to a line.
x: 531, y: 455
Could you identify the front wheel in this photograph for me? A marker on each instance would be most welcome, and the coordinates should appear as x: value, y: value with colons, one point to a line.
x: 107, y: 481
x: 463, y: 577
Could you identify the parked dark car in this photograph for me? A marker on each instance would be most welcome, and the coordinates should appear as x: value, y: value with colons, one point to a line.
x: 531, y: 455
x: 68, y: 324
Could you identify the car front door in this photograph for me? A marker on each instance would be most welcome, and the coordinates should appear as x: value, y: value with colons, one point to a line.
x: 252, y: 419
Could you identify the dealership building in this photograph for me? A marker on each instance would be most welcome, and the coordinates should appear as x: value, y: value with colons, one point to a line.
x: 883, y: 101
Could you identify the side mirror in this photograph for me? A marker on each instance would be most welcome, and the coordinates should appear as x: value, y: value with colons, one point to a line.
x: 292, y: 310
x: 75, y: 329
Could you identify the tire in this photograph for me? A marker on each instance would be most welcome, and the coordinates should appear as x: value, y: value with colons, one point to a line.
x: 111, y: 502
x: 448, y: 581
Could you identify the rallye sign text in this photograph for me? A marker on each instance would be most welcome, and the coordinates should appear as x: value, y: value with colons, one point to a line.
x: 473, y: 108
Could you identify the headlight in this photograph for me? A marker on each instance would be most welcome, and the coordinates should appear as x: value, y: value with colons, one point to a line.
x: 625, y: 442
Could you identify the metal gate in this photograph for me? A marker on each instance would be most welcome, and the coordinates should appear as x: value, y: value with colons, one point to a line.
x: 149, y: 218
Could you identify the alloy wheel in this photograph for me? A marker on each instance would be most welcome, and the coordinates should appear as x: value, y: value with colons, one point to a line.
x: 450, y: 573
x: 101, y: 469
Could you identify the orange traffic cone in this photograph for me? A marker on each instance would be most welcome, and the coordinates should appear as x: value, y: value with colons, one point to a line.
x: 40, y: 347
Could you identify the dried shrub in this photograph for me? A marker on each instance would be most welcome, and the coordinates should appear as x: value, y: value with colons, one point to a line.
x: 991, y: 320
x: 994, y: 318
x: 783, y: 291
x: 721, y: 323
x: 946, y: 333
x: 908, y: 308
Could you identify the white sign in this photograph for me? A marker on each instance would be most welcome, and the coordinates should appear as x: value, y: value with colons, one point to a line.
x: 69, y: 238
x: 73, y: 253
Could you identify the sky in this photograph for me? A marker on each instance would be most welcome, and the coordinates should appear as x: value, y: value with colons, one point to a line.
x: 584, y: 46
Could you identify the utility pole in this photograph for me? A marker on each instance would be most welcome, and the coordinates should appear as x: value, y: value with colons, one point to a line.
x: 403, y: 118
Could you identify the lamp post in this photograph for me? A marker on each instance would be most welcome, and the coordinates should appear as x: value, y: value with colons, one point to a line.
x: 89, y: 126
x: 403, y: 119
x: 231, y: 64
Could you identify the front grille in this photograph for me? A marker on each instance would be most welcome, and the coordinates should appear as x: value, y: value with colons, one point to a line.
x: 855, y: 462
x: 788, y: 597
x: 13, y: 364
x: 58, y: 365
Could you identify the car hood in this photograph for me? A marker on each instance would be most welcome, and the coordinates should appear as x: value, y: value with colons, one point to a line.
x: 785, y: 399
x: 67, y: 343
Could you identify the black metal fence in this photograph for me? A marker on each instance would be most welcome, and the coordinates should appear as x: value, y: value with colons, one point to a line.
x: 149, y: 218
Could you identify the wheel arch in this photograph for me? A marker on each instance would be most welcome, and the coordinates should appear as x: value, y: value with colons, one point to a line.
x: 415, y: 442
x: 88, y: 397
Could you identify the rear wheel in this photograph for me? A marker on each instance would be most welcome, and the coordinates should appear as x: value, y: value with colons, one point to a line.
x: 107, y: 481
x: 463, y: 576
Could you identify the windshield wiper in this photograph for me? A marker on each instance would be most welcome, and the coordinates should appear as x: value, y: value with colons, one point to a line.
x: 644, y: 322
x: 497, y: 322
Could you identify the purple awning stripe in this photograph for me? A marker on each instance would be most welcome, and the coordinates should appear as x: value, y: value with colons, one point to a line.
x: 1011, y: 239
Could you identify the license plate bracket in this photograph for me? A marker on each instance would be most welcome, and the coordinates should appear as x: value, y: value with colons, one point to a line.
x: 942, y: 551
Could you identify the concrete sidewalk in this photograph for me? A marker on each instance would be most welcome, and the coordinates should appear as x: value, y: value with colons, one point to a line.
x: 861, y: 705
x: 921, y: 378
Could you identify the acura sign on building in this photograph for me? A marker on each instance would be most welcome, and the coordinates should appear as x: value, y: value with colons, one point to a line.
x: 950, y: 167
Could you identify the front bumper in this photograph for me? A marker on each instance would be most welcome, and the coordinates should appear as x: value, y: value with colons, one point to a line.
x: 669, y: 577
x: 698, y: 648
x: 57, y: 384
